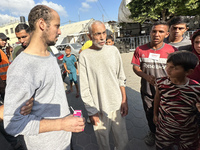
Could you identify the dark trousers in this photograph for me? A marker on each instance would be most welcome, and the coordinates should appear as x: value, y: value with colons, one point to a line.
x: 148, y: 108
x: 11, y: 142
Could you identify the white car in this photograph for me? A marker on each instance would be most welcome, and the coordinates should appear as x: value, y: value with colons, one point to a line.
x: 55, y: 52
x: 75, y: 48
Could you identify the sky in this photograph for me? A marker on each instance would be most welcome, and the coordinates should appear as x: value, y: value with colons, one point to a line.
x: 69, y: 10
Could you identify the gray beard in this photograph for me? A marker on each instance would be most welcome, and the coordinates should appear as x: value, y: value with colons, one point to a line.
x: 97, y: 45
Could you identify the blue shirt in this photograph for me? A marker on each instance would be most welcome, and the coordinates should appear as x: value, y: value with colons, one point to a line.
x: 70, y: 62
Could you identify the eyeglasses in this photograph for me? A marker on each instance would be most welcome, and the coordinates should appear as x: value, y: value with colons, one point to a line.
x: 98, y: 34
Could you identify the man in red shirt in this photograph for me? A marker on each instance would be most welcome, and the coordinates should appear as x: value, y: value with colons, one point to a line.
x: 149, y: 63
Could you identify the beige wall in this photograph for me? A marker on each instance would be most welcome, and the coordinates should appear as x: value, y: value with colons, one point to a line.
x: 9, y: 31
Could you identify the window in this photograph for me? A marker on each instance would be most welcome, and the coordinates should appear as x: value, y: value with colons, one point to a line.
x: 7, y: 31
x: 11, y: 30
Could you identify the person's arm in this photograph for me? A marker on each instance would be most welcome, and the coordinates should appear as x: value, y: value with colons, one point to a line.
x: 75, y: 64
x: 94, y: 119
x: 140, y: 73
x: 198, y: 106
x: 2, y: 86
x: 80, y: 51
x: 124, y: 104
x: 1, y: 112
x: 69, y: 123
x: 76, y: 67
x: 17, y: 124
x: 122, y: 84
x: 156, y: 106
x: 65, y: 66
x: 25, y: 110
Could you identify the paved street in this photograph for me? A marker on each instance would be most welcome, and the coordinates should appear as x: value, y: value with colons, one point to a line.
x: 135, y: 120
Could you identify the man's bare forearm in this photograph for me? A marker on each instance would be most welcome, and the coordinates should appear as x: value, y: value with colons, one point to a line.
x: 123, y: 91
x: 47, y: 125
x: 139, y: 72
x: 1, y: 112
x: 68, y: 123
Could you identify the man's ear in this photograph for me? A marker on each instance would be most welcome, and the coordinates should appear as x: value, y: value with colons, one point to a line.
x: 167, y: 34
x: 186, y: 29
x: 41, y: 24
x: 90, y: 37
x: 190, y: 71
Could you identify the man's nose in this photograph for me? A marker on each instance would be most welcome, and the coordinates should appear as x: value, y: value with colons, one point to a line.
x: 59, y: 31
x: 156, y: 33
x: 22, y: 40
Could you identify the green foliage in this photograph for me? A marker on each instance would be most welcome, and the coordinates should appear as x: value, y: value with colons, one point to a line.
x: 153, y: 10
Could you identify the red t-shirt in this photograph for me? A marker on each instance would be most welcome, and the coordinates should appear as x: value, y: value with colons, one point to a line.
x: 152, y: 62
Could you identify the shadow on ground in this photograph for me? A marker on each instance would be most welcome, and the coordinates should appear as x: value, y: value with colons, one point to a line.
x: 136, y: 123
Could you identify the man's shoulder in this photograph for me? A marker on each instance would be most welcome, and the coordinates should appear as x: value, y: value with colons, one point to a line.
x: 186, y: 40
x: 143, y: 47
x: 168, y: 46
x: 18, y: 47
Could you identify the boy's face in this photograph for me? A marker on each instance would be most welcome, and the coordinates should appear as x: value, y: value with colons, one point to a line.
x: 109, y: 42
x: 197, y: 44
x: 178, y: 30
x: 175, y: 71
x: 158, y: 34
x: 67, y: 51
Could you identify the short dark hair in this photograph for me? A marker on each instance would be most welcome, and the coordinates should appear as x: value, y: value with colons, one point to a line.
x: 68, y: 47
x: 186, y: 59
x: 179, y: 20
x: 109, y: 37
x: 37, y: 12
x: 22, y: 26
x: 160, y: 23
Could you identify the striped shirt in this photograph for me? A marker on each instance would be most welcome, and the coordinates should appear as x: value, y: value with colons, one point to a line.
x: 177, y: 105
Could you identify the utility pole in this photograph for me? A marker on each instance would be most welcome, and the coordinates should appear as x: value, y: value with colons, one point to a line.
x: 103, y: 18
x: 79, y: 16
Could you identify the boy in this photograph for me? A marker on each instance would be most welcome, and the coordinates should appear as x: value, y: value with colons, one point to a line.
x: 175, y: 104
x: 71, y: 68
x: 109, y: 40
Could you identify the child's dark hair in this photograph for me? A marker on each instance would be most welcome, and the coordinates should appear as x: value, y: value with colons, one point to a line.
x: 68, y: 47
x: 109, y: 37
x: 186, y: 59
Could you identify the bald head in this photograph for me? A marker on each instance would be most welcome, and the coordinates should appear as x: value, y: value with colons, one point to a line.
x: 37, y: 12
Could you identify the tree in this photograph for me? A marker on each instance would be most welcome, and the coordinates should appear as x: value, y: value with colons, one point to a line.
x: 164, y: 10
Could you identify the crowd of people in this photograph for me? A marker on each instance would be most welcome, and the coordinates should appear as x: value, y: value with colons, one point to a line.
x: 34, y: 111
